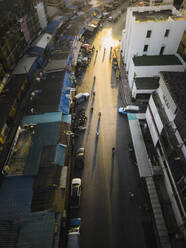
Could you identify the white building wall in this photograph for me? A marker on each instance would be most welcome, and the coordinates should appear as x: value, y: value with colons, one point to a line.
x: 151, y: 126
x: 155, y: 138
x: 167, y: 101
x: 135, y: 91
x: 136, y: 34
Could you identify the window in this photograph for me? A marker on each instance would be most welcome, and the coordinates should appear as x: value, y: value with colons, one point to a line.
x: 148, y: 33
x: 167, y: 32
x: 145, y: 48
x: 162, y: 50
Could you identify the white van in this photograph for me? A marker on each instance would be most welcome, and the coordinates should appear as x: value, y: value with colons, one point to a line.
x: 128, y: 109
x: 131, y: 108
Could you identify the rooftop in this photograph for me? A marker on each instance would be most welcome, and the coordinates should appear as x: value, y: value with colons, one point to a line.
x: 159, y: 60
x: 176, y: 83
x: 161, y: 15
x: 37, y: 230
x: 15, y: 197
x: 48, y: 92
x: 147, y: 82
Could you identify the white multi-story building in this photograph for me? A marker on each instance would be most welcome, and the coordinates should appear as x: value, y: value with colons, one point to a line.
x: 150, y: 42
x: 166, y: 118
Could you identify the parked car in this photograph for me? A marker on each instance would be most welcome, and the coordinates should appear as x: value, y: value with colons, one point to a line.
x: 80, y: 157
x: 81, y: 97
x: 110, y: 18
x: 74, y: 225
x: 73, y: 236
x: 105, y: 15
x: 75, y: 192
x: 128, y: 109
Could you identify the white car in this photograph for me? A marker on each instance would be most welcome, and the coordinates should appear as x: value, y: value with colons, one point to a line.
x: 110, y: 18
x: 75, y: 192
x: 81, y: 97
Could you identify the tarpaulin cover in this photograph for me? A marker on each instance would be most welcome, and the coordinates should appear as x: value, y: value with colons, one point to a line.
x: 65, y: 99
x: 52, y: 26
x: 67, y: 37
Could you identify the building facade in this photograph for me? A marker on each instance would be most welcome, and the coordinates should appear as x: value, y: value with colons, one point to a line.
x: 166, y: 116
x: 150, y: 43
x: 20, y: 25
x: 154, y: 30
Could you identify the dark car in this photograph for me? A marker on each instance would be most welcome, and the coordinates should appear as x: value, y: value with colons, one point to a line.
x: 80, y: 157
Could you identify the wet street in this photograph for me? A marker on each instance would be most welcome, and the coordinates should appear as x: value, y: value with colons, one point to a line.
x: 110, y: 218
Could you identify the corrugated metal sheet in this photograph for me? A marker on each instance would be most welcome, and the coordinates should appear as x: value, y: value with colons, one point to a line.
x: 47, y: 156
x: 24, y: 65
x: 43, y: 118
x: 15, y: 197
x: 37, y: 230
x: 43, y: 199
x: 60, y: 154
x: 48, y: 177
x: 62, y: 136
x: 45, y: 135
x: 8, y: 234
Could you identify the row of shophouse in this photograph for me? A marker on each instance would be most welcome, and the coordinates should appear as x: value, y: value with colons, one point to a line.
x: 35, y: 175
x: 156, y: 73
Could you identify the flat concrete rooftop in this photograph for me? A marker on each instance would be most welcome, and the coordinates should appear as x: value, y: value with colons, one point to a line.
x: 156, y: 60
x: 147, y: 83
x: 161, y: 15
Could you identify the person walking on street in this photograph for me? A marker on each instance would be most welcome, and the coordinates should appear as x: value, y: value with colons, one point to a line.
x: 131, y: 194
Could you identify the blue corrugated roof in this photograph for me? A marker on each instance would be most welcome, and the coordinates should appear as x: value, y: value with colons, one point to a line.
x: 52, y: 26
x: 46, y: 134
x: 15, y: 196
x: 67, y: 37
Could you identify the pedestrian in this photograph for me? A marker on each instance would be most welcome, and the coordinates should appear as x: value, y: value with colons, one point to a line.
x: 131, y: 194
x: 94, y: 93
